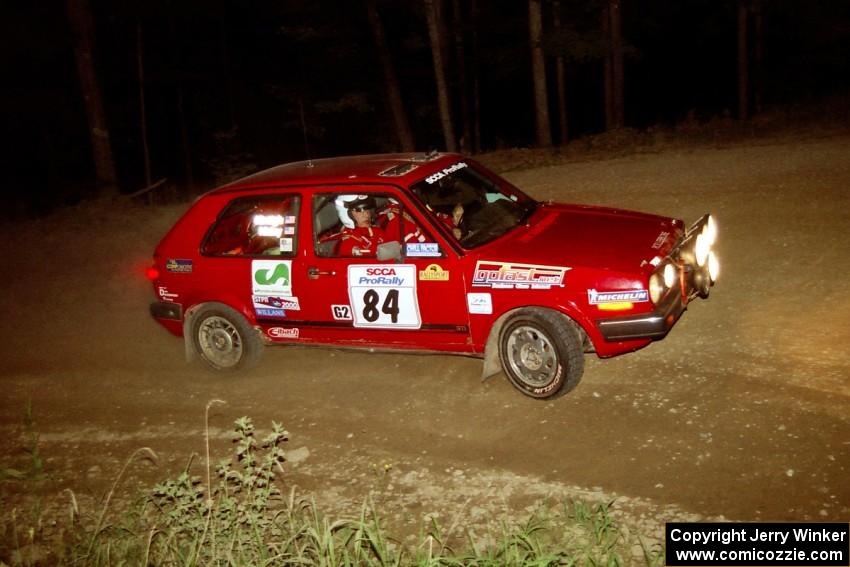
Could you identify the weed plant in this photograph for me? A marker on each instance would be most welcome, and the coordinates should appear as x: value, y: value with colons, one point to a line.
x: 238, y: 515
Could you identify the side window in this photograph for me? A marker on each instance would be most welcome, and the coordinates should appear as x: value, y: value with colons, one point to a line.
x: 261, y: 225
x: 352, y: 225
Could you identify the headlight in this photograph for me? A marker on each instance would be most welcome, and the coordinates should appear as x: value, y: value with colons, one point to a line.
x: 710, y: 231
x: 713, y: 267
x: 656, y: 287
x: 702, y: 249
x: 670, y: 275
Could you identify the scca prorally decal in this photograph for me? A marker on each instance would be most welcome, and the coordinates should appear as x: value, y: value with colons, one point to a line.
x: 631, y: 296
x: 660, y: 240
x: 447, y: 171
x: 178, y: 266
x: 380, y: 276
x: 283, y: 333
x: 520, y: 276
x: 383, y: 296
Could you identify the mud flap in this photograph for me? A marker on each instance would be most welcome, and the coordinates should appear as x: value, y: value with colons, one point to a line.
x: 492, y: 364
x: 191, y: 355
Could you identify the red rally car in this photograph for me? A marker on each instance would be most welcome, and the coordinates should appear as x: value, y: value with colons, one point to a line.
x: 423, y: 252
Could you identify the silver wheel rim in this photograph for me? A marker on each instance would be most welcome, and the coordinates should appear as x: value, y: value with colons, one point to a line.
x: 220, y: 342
x: 532, y: 356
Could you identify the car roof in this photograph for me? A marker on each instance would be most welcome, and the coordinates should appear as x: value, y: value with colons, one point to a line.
x: 400, y: 169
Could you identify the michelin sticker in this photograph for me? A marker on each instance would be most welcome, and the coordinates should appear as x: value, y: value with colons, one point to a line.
x: 384, y: 296
x: 479, y: 303
x: 271, y: 277
x: 631, y: 296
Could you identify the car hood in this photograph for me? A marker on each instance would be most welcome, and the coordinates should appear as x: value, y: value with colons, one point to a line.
x: 587, y: 236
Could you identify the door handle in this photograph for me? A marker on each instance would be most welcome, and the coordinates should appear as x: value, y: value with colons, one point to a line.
x: 313, y: 273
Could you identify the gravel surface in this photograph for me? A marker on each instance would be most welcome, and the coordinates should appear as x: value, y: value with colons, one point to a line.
x: 740, y: 413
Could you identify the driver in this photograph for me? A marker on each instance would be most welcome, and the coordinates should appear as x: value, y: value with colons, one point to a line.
x: 359, y: 236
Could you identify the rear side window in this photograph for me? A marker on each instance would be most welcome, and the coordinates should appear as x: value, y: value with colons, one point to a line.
x: 261, y: 225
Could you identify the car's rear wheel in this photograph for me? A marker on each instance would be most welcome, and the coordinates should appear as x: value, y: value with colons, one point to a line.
x: 541, y: 353
x: 224, y: 340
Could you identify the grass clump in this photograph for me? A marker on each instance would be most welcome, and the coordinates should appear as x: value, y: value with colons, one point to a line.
x: 237, y: 514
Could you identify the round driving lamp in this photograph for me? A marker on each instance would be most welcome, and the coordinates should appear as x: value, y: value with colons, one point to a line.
x: 670, y: 275
x: 713, y: 266
x: 701, y: 249
x: 656, y: 287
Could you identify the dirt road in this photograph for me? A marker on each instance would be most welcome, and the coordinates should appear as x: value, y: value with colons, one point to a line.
x: 742, y: 412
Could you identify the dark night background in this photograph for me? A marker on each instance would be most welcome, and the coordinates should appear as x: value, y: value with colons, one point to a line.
x: 247, y: 71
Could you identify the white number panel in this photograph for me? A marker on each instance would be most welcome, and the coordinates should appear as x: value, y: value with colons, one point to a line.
x: 384, y: 296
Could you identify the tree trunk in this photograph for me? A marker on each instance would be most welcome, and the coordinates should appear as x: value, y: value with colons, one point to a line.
x: 82, y: 34
x: 434, y: 32
x: 560, y: 76
x: 743, y: 68
x: 143, y: 119
x: 607, y: 69
x: 476, y: 83
x: 538, y: 69
x: 402, y: 124
x: 617, y: 64
x: 224, y: 56
x: 463, y: 85
x: 758, y: 56
x: 188, y: 171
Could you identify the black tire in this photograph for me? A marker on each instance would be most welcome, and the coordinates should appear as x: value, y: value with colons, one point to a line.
x: 224, y: 340
x: 541, y: 353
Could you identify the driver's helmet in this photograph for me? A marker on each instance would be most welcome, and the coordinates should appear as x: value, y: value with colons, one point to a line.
x: 346, y: 203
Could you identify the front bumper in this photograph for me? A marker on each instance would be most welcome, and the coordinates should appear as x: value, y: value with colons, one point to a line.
x: 653, y: 325
x: 694, y: 281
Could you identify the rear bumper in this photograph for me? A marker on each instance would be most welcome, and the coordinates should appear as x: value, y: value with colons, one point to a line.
x: 653, y: 325
x: 167, y: 310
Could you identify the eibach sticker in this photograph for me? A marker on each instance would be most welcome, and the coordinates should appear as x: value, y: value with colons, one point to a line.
x: 283, y: 332
x: 520, y: 276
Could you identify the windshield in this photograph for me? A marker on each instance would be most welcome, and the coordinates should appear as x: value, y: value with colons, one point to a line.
x: 476, y: 207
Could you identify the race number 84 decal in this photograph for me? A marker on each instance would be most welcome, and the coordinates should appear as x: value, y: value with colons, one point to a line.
x: 384, y: 297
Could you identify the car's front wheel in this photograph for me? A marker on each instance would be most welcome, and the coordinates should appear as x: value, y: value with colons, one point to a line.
x: 541, y: 353
x: 223, y: 339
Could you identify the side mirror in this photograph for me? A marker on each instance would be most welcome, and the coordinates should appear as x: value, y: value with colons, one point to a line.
x: 389, y: 251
